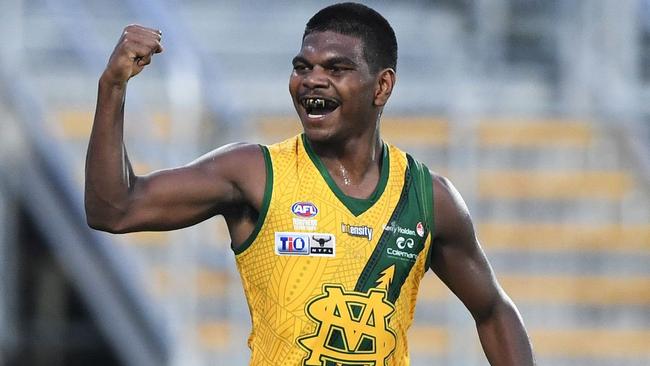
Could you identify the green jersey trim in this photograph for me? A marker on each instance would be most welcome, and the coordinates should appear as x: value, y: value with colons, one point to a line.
x: 266, y: 201
x: 356, y: 206
x: 426, y: 191
x: 391, y: 262
x: 424, y: 188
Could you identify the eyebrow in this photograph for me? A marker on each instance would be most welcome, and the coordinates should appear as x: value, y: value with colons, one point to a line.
x: 340, y: 60
x: 299, y: 59
x: 328, y: 62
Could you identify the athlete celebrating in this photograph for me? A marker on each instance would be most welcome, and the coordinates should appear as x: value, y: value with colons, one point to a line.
x: 352, y: 220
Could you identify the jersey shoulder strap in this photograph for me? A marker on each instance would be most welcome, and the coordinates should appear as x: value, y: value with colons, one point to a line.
x: 424, y: 186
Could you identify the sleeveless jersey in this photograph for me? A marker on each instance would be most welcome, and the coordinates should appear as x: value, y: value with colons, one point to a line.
x: 330, y: 279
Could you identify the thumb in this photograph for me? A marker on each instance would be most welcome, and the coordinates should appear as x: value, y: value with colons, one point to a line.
x: 144, y: 60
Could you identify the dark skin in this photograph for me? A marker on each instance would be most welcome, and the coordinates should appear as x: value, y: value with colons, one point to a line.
x: 332, y: 65
x: 329, y: 65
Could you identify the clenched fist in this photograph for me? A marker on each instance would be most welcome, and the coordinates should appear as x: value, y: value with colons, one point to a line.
x: 132, y: 53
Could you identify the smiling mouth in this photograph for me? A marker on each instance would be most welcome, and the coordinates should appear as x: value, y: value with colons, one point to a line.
x: 318, y: 107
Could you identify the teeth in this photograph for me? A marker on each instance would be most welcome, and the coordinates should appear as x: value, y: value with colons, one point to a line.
x: 315, y: 103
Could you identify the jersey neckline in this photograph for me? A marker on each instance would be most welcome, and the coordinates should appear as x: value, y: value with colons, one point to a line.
x: 356, y: 206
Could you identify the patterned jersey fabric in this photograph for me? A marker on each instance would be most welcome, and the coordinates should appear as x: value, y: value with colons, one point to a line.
x: 331, y: 279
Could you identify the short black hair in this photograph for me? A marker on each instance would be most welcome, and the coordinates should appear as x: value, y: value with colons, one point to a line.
x: 357, y: 20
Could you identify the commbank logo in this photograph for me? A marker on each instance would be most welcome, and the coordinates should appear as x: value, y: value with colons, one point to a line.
x: 352, y: 328
x: 291, y: 244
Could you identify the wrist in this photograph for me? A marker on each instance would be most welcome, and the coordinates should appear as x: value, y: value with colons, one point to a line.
x: 109, y: 81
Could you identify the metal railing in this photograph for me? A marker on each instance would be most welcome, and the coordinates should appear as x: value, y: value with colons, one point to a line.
x: 97, y: 267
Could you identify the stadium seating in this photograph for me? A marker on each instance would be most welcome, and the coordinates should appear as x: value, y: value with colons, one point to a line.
x: 559, y: 208
x: 507, y: 237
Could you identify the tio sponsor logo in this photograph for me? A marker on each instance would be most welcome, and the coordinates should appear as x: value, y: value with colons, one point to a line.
x: 312, y: 244
x: 304, y: 209
x: 291, y: 244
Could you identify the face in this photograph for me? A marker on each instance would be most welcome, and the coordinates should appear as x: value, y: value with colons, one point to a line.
x: 332, y: 88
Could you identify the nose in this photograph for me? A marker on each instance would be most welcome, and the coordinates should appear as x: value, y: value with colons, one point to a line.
x: 316, y: 78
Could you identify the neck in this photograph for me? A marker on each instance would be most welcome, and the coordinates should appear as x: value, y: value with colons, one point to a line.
x: 354, y: 164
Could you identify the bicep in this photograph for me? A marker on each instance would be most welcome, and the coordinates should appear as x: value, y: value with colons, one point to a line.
x: 456, y: 255
x: 172, y: 198
x: 175, y: 198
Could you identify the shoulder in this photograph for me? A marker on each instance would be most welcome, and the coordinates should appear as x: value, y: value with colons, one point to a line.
x: 239, y: 165
x: 234, y: 158
x: 444, y: 189
x: 444, y: 193
x: 451, y: 214
x: 240, y: 151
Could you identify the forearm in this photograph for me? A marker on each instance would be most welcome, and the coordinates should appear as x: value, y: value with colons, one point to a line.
x: 504, y: 337
x: 108, y: 171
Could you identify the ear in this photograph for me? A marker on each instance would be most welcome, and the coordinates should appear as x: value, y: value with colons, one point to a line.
x: 385, y: 83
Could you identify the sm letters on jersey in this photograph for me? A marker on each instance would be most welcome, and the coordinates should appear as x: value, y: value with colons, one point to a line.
x: 352, y: 327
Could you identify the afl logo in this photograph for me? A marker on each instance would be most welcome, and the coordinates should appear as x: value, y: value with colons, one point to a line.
x: 304, y: 209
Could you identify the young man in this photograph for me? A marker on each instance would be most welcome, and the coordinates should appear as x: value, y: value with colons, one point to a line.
x: 352, y: 221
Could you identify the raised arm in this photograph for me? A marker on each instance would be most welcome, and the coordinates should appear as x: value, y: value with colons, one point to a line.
x: 459, y: 261
x: 117, y: 200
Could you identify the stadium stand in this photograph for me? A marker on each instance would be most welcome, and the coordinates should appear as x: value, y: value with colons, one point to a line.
x: 490, y: 95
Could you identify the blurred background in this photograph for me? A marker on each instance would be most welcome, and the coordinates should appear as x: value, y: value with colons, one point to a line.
x: 538, y: 110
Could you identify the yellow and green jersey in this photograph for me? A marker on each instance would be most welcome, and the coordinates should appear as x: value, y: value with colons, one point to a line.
x: 331, y: 279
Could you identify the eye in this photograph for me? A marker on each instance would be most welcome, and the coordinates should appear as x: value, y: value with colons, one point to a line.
x: 338, y: 70
x: 299, y: 67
